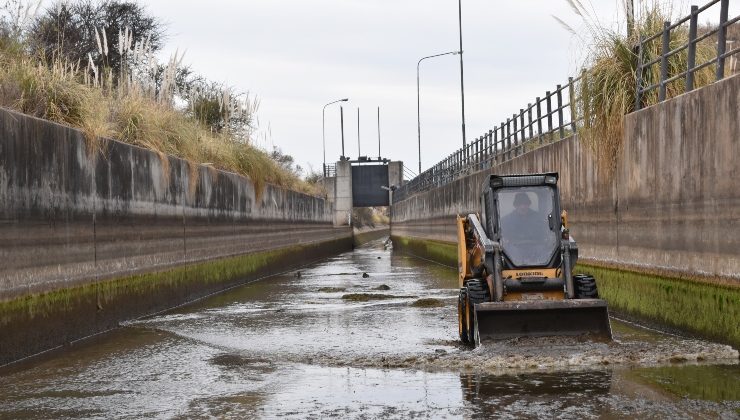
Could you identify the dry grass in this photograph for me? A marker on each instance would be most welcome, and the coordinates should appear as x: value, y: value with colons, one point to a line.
x: 607, y: 91
x: 129, y: 112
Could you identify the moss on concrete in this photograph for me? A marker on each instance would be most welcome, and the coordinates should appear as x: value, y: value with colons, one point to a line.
x: 714, y: 383
x: 706, y: 309
x: 441, y: 252
x: 186, y: 280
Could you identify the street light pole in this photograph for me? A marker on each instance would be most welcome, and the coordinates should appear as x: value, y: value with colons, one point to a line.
x: 323, y: 128
x: 418, y: 101
x: 462, y: 89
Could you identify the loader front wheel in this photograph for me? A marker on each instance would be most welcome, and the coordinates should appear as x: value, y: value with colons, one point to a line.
x: 585, y: 286
x: 476, y: 292
x: 462, y: 315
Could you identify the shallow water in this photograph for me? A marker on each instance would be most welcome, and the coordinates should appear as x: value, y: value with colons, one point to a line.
x: 297, y: 346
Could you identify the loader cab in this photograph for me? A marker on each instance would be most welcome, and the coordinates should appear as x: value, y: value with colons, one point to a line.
x: 522, y: 213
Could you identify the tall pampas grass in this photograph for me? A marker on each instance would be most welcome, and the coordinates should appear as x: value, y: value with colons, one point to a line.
x: 607, y: 90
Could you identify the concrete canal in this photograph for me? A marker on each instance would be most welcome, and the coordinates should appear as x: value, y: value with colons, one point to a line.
x: 369, y: 333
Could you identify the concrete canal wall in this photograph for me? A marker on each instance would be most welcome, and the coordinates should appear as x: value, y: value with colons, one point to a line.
x: 671, y: 208
x: 91, y: 236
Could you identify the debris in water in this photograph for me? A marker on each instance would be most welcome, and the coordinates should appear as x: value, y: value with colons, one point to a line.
x: 364, y: 297
x: 365, y: 275
x: 383, y: 287
x: 297, y: 274
x: 332, y: 289
x: 428, y: 303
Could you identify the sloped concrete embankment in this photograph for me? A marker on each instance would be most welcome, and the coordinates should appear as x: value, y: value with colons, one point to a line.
x: 663, y: 228
x: 91, y: 235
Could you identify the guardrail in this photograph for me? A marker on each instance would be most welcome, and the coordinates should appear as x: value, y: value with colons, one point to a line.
x: 691, y: 67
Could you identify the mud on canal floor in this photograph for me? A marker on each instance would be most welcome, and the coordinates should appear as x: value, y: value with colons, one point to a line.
x: 331, y: 342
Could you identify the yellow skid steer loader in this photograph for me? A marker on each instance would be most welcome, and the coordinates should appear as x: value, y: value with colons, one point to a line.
x: 515, y: 266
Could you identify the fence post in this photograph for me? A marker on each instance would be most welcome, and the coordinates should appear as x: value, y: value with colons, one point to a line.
x: 638, y: 82
x: 523, y: 135
x: 722, y: 38
x: 572, y: 105
x: 664, y: 60
x: 502, y: 149
x: 508, y: 138
x: 529, y: 117
x: 495, y: 146
x: 539, y: 119
x: 484, y: 149
x: 516, y: 134
x: 478, y: 150
x: 482, y: 154
x: 490, y: 152
x: 459, y: 160
x: 548, y: 96
x: 692, y: 49
x: 560, y: 112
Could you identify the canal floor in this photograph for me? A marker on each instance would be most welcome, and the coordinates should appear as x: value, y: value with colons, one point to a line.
x: 366, y: 334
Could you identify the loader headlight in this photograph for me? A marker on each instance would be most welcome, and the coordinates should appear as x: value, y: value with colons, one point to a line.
x: 551, y: 180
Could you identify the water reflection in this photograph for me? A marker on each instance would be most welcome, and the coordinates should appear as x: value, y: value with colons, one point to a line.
x: 534, y: 394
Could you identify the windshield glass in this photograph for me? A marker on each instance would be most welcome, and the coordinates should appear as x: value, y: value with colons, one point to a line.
x: 526, y: 236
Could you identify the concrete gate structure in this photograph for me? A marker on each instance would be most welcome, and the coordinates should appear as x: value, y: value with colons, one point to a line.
x: 359, y: 183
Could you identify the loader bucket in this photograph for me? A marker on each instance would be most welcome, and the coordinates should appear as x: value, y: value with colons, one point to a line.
x: 571, y: 317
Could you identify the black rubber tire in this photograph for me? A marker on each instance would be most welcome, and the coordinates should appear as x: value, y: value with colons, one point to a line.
x: 477, y: 292
x: 585, y: 287
x: 462, y: 324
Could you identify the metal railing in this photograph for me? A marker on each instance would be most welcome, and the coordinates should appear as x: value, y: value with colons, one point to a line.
x: 548, y: 119
x: 666, y: 75
x: 330, y: 170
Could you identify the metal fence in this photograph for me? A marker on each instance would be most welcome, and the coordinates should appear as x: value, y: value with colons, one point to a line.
x: 330, y: 170
x: 548, y: 119
x: 555, y: 116
x: 668, y: 75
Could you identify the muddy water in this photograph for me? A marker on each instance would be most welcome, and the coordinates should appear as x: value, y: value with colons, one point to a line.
x: 331, y: 342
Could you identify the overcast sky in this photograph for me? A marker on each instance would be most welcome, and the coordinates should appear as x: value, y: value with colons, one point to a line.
x: 297, y: 55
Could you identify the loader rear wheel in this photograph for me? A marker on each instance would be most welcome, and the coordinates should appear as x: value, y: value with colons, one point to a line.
x: 585, y: 286
x: 477, y: 292
x: 462, y: 315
